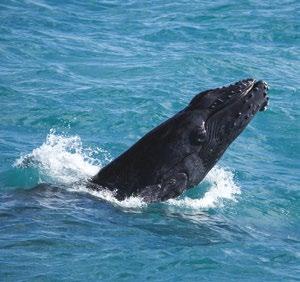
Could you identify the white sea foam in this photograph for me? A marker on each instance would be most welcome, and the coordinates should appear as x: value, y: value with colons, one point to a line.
x: 63, y: 160
x: 222, y: 187
x: 128, y: 203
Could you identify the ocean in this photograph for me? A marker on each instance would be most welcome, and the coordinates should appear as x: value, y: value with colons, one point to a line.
x: 81, y: 81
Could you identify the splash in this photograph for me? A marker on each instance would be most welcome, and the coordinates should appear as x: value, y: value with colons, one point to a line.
x: 63, y: 160
x: 222, y: 187
x: 130, y: 203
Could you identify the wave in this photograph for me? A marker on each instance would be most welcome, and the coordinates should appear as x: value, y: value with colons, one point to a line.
x: 63, y: 160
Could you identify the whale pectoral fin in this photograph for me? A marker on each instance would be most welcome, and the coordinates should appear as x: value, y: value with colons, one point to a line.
x: 170, y: 188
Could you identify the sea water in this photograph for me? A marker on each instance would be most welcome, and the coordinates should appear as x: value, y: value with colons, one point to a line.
x: 81, y: 81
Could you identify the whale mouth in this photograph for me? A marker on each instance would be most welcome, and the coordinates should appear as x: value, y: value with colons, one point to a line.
x: 233, y: 97
x: 256, y: 99
x: 258, y: 95
x: 245, y: 97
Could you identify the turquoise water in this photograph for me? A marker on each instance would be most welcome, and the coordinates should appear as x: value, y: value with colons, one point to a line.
x: 81, y: 81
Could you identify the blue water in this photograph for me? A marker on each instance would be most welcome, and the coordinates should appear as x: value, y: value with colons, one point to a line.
x: 81, y: 81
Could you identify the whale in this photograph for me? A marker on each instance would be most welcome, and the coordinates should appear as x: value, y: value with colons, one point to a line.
x: 177, y: 154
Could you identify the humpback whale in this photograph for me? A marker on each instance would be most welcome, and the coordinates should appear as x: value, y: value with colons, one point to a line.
x: 177, y: 154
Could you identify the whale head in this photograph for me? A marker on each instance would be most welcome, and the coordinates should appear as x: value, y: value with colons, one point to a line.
x: 223, y: 113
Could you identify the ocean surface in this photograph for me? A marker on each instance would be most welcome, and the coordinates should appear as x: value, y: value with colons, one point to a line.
x: 81, y: 81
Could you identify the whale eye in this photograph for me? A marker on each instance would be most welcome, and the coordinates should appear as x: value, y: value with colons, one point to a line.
x: 198, y: 135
